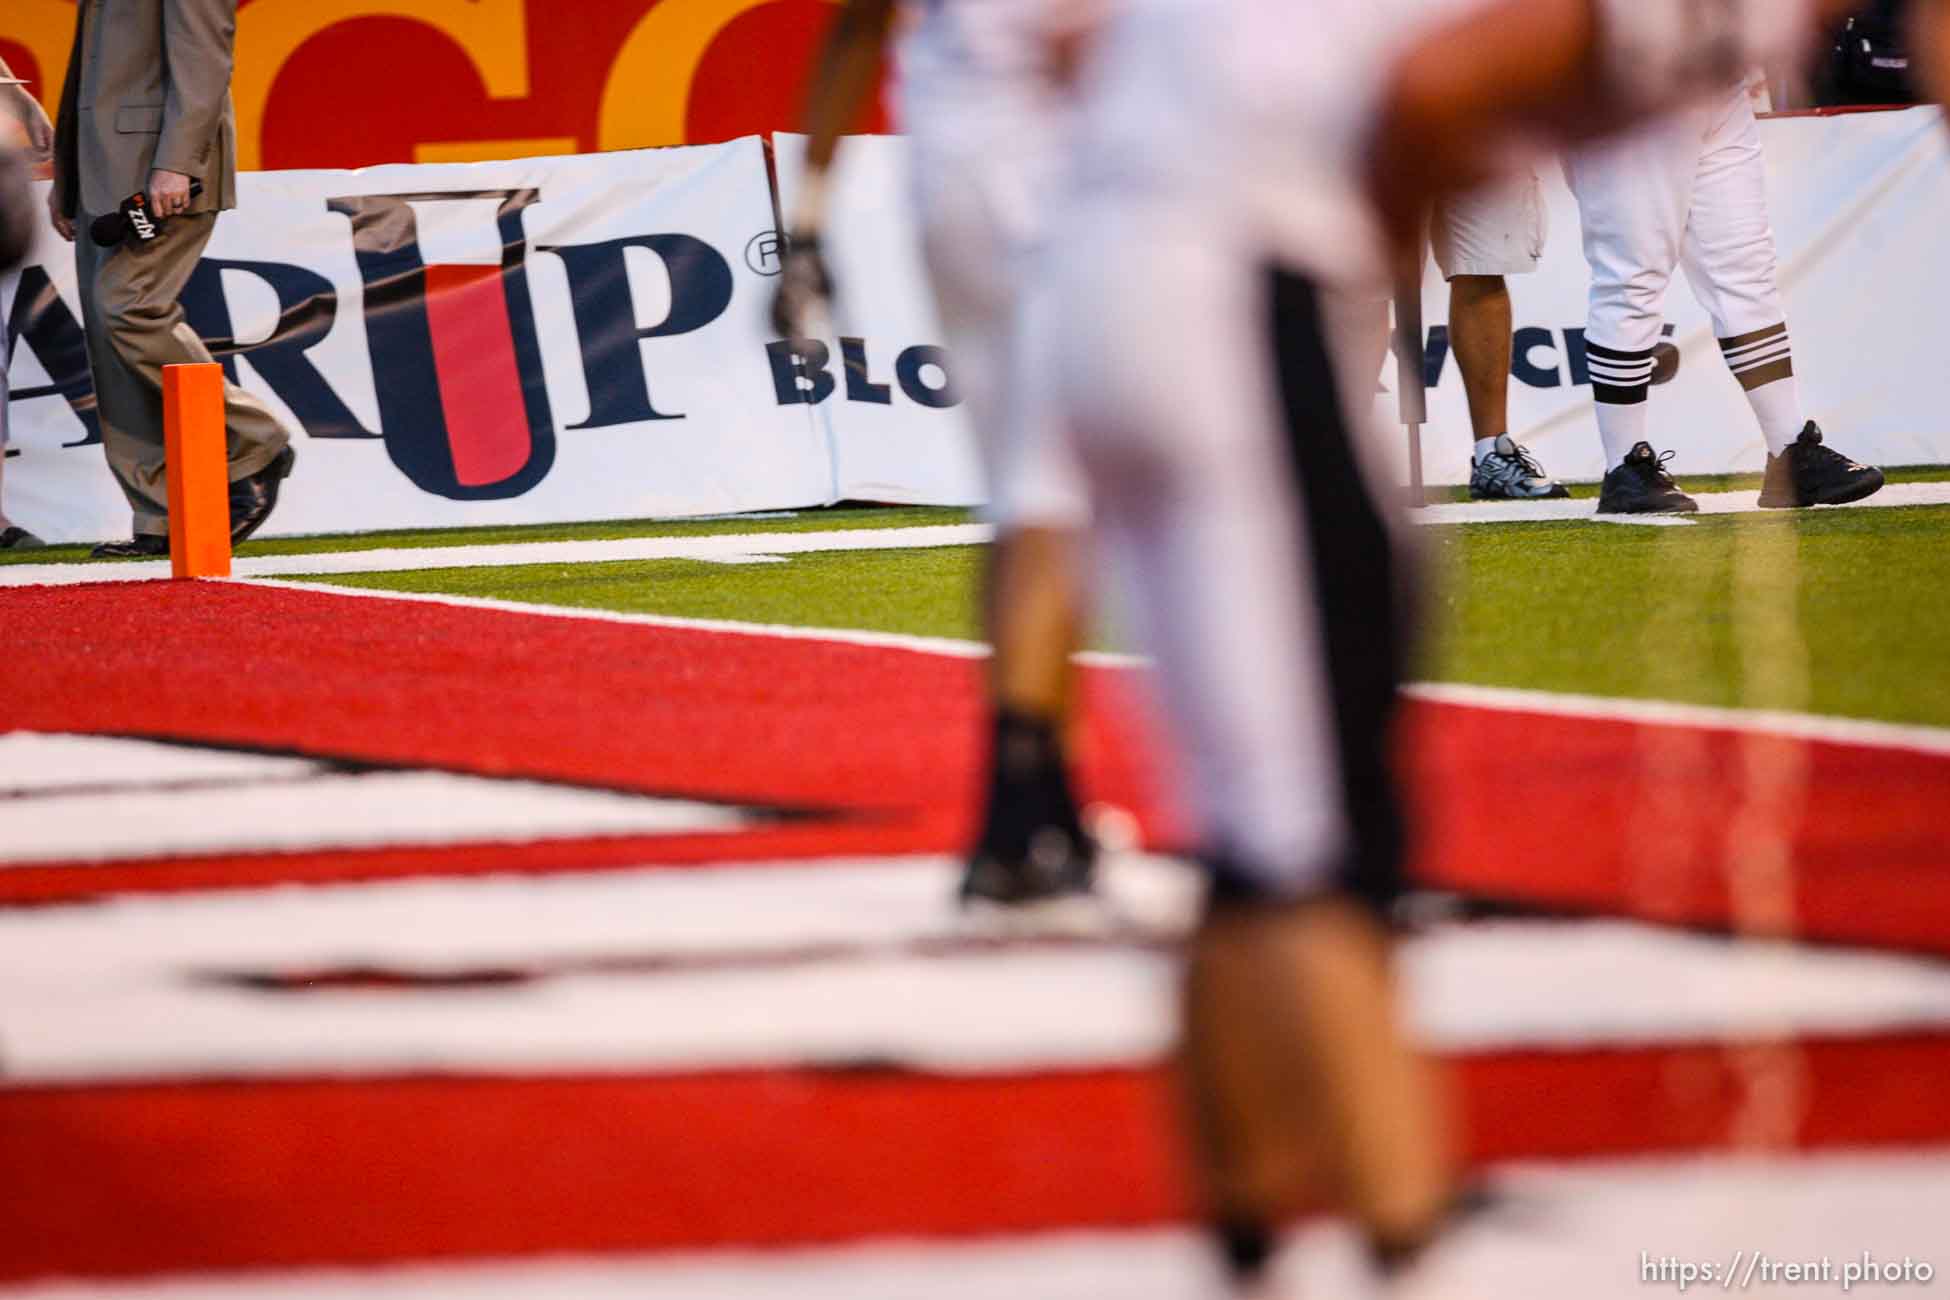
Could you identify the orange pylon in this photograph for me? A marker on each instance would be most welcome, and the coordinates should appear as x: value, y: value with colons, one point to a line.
x: 199, y: 478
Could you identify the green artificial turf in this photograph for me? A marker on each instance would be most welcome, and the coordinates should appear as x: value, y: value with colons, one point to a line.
x: 797, y: 521
x: 1650, y: 612
x: 1580, y: 607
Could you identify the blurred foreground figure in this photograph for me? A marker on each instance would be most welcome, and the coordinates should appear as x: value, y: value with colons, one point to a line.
x: 979, y: 101
x: 1931, y: 41
x: 1245, y: 167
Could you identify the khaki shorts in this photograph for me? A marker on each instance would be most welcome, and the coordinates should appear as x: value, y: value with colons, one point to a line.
x: 1500, y: 229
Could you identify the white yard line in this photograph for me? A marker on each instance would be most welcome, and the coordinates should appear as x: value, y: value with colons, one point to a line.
x: 827, y: 961
x: 1589, y: 1229
x: 111, y: 799
x: 1801, y: 726
x: 1710, y: 503
x: 729, y: 548
x: 746, y: 548
x: 1836, y: 730
x: 950, y: 647
x: 759, y: 548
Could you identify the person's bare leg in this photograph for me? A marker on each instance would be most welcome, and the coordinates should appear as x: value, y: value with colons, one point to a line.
x: 1029, y: 611
x: 1480, y: 327
x: 1253, y: 1116
x: 1481, y: 322
x: 1302, y: 1077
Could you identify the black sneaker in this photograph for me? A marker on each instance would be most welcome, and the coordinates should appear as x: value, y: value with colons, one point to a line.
x: 1033, y: 847
x: 1810, y: 474
x: 1511, y: 473
x: 1641, y: 486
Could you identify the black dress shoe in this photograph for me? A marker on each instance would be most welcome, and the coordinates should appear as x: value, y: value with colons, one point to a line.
x: 252, y: 499
x: 143, y: 546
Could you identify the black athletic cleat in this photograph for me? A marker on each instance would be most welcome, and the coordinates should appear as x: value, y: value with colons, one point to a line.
x: 1641, y: 486
x: 1810, y: 474
x: 1033, y: 846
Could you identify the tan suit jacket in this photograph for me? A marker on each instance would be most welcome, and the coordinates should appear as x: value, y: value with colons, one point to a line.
x: 148, y: 86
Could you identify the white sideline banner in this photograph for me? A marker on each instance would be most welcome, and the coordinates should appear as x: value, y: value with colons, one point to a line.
x: 534, y: 341
x: 559, y: 339
x: 897, y: 435
x: 1859, y: 203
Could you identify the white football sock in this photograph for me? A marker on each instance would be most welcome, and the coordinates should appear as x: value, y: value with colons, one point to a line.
x: 1622, y: 426
x: 1778, y: 408
x: 1484, y: 446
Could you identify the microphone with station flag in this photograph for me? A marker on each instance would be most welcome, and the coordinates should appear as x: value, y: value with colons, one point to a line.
x: 132, y: 222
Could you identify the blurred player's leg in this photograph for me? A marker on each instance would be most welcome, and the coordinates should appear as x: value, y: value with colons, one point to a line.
x: 1633, y: 199
x: 1035, y: 590
x: 979, y: 214
x: 1269, y: 591
x: 1480, y: 240
x: 1730, y: 259
x: 987, y: 142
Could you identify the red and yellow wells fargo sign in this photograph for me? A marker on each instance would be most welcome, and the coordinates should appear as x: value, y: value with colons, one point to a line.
x: 344, y: 83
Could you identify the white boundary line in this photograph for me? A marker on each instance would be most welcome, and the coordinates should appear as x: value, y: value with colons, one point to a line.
x: 1802, y: 726
x: 724, y: 548
x: 745, y: 547
x: 1807, y: 726
x: 1584, y: 509
x: 751, y: 548
x: 950, y: 647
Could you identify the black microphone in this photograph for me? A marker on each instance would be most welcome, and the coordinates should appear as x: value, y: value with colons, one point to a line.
x: 132, y: 222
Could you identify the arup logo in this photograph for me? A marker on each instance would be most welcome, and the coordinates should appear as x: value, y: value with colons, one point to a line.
x: 763, y: 252
x: 457, y: 341
x: 452, y: 337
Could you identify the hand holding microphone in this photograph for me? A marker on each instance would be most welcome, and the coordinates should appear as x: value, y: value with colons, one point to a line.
x: 140, y: 217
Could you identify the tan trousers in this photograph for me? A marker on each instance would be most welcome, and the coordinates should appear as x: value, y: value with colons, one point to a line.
x: 135, y: 328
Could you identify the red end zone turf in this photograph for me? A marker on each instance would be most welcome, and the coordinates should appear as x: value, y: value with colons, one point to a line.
x: 225, y: 1174
x: 1577, y: 813
x: 236, y: 1175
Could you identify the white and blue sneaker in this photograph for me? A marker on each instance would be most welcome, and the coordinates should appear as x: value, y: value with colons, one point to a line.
x: 1511, y: 473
